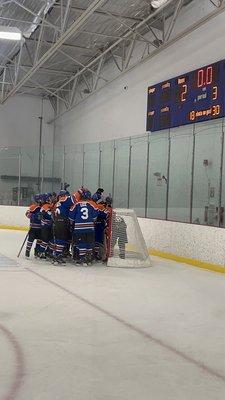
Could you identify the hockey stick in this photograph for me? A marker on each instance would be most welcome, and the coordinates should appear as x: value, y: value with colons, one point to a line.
x: 23, y: 244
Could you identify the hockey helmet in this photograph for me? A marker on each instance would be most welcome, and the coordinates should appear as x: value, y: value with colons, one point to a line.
x: 100, y: 190
x: 108, y: 200
x: 47, y: 197
x: 86, y: 194
x: 37, y: 197
x: 96, y: 197
x: 62, y: 193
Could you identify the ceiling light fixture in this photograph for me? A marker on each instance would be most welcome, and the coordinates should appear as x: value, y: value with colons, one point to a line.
x: 158, y: 3
x: 8, y: 33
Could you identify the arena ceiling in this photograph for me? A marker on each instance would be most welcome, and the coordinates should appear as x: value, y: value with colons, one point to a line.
x: 67, y: 45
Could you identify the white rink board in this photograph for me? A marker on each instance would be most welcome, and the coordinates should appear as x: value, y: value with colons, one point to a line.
x: 185, y: 240
x: 192, y: 241
x: 13, y: 216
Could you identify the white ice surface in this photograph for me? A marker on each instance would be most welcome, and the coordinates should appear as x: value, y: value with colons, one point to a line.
x: 111, y: 334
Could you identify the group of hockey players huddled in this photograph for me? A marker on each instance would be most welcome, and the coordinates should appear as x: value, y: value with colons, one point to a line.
x: 74, y: 226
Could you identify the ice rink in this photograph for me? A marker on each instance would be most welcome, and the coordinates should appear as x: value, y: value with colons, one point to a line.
x: 97, y: 333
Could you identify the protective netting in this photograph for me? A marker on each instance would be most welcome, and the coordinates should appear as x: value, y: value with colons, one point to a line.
x: 127, y: 244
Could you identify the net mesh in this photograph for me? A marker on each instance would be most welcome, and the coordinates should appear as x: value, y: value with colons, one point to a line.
x: 127, y: 244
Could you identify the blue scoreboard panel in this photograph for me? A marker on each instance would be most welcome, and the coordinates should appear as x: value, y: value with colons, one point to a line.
x: 189, y: 98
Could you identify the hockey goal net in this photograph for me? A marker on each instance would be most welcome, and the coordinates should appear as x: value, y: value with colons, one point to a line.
x: 127, y: 247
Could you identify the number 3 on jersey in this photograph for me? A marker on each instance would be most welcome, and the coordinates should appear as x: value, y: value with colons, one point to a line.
x: 84, y: 211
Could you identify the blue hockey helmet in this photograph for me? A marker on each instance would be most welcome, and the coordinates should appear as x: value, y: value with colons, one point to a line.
x: 47, y: 197
x: 108, y: 200
x: 96, y: 197
x: 37, y: 198
x: 86, y: 194
x: 63, y: 193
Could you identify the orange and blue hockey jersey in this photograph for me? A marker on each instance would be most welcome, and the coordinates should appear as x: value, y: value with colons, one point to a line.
x: 63, y: 205
x: 34, y: 215
x: 46, y: 215
x: 83, y: 214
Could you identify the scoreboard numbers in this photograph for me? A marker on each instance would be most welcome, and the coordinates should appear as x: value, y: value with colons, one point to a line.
x: 183, y: 93
x: 196, y: 96
x: 215, y: 92
x: 205, y: 76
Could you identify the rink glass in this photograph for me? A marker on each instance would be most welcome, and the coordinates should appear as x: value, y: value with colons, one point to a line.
x: 176, y: 174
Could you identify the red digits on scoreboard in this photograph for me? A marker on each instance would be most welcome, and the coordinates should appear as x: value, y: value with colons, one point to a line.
x: 205, y: 76
x: 209, y: 75
x: 201, y: 78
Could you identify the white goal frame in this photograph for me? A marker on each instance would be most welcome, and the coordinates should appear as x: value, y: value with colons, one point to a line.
x: 142, y: 258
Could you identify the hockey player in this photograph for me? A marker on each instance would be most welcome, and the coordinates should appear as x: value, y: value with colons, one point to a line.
x: 61, y: 229
x: 82, y: 217
x: 46, y: 225
x: 34, y: 215
x: 76, y: 196
x: 108, y: 230
x: 98, y: 195
x: 100, y: 226
x: 99, y: 248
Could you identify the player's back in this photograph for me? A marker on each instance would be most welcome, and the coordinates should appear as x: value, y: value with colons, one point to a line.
x: 63, y: 205
x: 84, y: 214
x: 33, y: 213
x: 46, y: 215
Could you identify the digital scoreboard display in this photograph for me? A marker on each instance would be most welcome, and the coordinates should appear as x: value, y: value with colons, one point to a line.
x: 189, y: 98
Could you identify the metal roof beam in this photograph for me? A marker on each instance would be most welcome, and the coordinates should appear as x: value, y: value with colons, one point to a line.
x: 129, y: 53
x: 48, y: 70
x: 24, y: 21
x: 28, y: 10
x: 73, y: 91
x: 37, y: 87
x: 131, y: 28
x: 216, y: 3
x: 80, y: 63
x: 36, y: 84
x: 46, y: 89
x: 173, y: 20
x: 65, y: 18
x: 98, y: 75
x: 110, y: 36
x: 3, y: 83
x: 155, y: 52
x: 72, y: 46
x: 115, y: 44
x: 102, y: 13
x: 78, y: 23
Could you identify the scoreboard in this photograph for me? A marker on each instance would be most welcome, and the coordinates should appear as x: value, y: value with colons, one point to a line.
x: 193, y: 97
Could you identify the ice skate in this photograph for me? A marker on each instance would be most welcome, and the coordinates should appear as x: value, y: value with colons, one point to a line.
x: 27, y: 254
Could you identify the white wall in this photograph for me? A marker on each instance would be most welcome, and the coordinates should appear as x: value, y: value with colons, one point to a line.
x: 185, y: 240
x: 113, y: 112
x: 13, y: 216
x: 19, y: 122
x: 20, y: 127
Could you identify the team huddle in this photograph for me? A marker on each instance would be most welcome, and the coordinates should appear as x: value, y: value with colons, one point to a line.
x: 75, y: 226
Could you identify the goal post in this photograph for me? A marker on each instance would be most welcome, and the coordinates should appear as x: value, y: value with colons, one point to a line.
x: 127, y: 247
